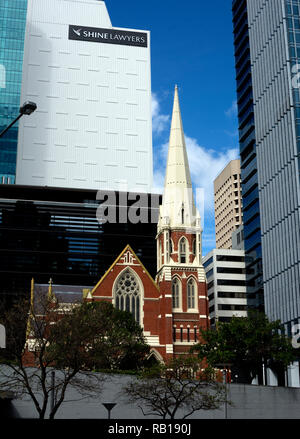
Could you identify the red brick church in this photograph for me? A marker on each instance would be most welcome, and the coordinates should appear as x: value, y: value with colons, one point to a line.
x: 172, y: 307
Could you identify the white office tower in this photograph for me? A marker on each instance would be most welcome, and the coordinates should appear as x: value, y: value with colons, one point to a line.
x: 92, y: 86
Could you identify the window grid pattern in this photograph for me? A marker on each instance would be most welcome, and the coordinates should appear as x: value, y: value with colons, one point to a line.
x: 12, y: 32
x: 293, y: 24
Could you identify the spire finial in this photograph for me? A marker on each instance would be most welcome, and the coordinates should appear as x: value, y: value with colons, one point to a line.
x: 50, y: 290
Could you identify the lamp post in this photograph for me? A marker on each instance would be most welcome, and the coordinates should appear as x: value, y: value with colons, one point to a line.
x: 109, y: 406
x: 27, y: 108
x: 225, y: 367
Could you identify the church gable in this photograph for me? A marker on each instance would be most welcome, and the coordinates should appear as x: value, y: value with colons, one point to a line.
x: 128, y: 285
x: 127, y: 262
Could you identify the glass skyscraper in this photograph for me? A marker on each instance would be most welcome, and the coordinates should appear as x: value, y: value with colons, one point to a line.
x: 251, y: 210
x: 12, y: 32
x: 267, y: 50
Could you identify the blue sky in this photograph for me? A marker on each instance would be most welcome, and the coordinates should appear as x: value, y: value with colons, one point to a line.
x: 191, y: 46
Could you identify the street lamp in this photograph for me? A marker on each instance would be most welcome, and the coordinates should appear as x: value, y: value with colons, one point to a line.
x: 225, y: 367
x: 27, y: 108
x: 109, y: 406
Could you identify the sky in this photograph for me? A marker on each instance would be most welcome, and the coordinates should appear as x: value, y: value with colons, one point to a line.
x: 191, y: 46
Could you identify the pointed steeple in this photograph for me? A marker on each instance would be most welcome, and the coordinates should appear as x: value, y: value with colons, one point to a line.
x: 51, y: 295
x: 178, y: 208
x: 177, y: 171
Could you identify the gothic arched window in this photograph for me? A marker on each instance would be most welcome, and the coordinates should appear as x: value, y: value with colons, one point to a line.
x: 182, y: 250
x: 167, y: 252
x: 128, y: 294
x: 191, y: 294
x: 171, y: 246
x: 194, y: 247
x: 175, y: 293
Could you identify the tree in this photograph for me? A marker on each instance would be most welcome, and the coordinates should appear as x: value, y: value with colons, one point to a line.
x: 246, y: 343
x: 70, y: 340
x: 115, y: 340
x: 180, y: 385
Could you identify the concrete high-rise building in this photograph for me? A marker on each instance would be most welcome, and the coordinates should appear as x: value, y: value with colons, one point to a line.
x: 12, y: 32
x: 226, y: 284
x: 92, y: 86
x: 267, y: 55
x: 228, y: 203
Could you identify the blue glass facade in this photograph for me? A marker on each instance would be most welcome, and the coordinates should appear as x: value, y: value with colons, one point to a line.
x: 247, y: 138
x: 12, y: 32
x: 54, y: 233
x: 293, y: 24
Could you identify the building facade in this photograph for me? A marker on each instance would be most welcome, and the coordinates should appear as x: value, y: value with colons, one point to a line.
x: 228, y: 203
x: 173, y: 307
x: 238, y: 239
x: 180, y: 273
x: 12, y: 33
x: 267, y: 41
x: 248, y: 155
x: 92, y: 86
x: 226, y: 284
x: 64, y: 234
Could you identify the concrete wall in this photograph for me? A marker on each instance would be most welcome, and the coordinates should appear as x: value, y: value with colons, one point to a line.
x: 248, y: 402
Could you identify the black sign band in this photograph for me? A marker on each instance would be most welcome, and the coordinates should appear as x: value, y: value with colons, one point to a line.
x: 110, y: 36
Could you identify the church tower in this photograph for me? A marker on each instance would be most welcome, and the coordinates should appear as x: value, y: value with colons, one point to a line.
x: 180, y: 273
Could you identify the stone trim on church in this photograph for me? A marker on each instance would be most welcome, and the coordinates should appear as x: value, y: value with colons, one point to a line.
x: 174, y: 307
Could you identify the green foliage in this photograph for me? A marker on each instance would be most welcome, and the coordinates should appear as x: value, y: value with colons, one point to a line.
x: 245, y: 343
x: 74, y: 341
x: 99, y: 337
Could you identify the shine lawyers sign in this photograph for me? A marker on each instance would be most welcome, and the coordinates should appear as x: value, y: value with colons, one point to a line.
x: 110, y: 36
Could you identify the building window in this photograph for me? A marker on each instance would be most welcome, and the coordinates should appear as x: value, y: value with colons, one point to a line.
x: 160, y: 254
x: 174, y: 334
x: 194, y: 247
x: 211, y: 309
x: 128, y: 295
x: 182, y: 251
x: 195, y: 334
x: 176, y: 293
x: 188, y: 335
x: 181, y: 334
x: 167, y: 248
x: 210, y: 273
x: 231, y: 282
x: 191, y: 294
x: 208, y: 262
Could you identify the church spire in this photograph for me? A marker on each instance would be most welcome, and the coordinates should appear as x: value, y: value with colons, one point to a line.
x: 177, y: 172
x: 178, y: 207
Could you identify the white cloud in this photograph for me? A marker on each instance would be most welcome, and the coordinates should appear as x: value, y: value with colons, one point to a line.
x: 233, y: 110
x: 160, y: 122
x: 205, y: 165
x: 232, y: 134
